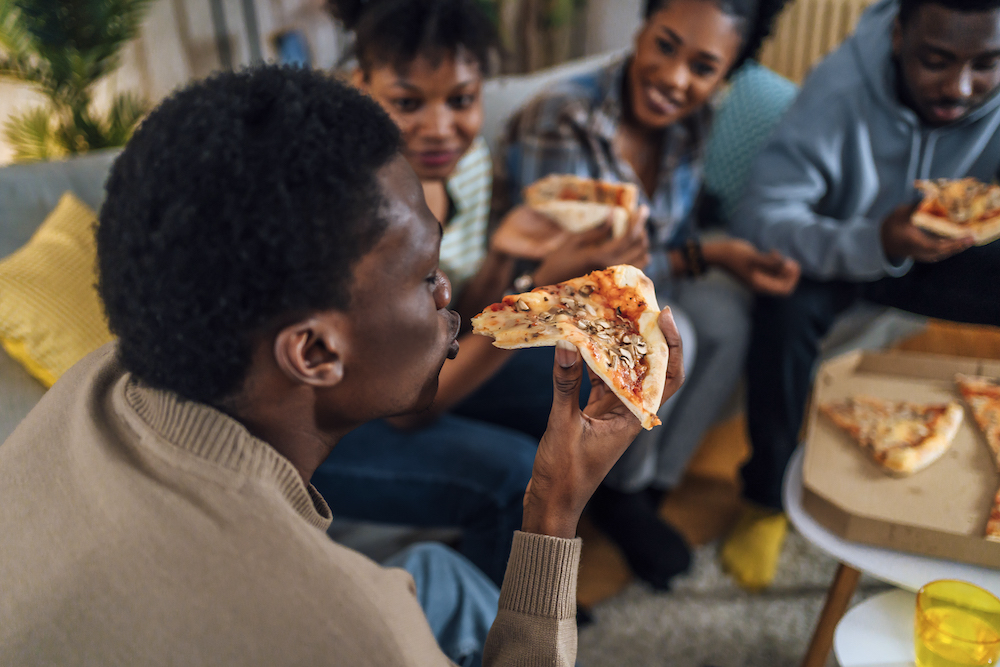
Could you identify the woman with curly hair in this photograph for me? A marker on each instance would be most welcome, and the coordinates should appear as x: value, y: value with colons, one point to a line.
x: 643, y: 119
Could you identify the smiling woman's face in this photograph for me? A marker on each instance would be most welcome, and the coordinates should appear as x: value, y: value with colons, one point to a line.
x: 682, y: 54
x: 437, y: 106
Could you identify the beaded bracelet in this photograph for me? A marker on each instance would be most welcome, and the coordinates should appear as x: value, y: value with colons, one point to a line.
x: 695, y: 258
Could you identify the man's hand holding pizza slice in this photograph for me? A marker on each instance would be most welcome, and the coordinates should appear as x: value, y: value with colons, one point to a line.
x: 609, y: 319
x: 901, y: 239
x: 580, y: 447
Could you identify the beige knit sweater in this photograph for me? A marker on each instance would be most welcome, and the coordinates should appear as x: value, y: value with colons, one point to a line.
x: 137, y: 528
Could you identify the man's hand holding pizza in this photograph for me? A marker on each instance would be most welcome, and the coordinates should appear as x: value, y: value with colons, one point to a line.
x: 902, y: 239
x: 580, y: 447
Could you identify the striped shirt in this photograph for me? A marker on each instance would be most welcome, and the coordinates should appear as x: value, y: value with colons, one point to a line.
x: 463, y: 246
x: 570, y: 129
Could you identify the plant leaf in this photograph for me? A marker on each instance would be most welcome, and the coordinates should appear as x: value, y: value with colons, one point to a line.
x: 33, y: 137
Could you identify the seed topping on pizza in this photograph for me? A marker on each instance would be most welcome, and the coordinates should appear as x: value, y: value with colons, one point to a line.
x: 611, y: 317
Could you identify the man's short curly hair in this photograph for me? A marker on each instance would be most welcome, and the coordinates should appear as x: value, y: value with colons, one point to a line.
x: 241, y: 202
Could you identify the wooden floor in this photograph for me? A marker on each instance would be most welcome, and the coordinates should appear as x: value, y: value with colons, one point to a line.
x: 704, y: 505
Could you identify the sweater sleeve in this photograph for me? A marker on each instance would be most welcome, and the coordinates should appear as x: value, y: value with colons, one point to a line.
x: 799, y: 176
x: 536, y: 620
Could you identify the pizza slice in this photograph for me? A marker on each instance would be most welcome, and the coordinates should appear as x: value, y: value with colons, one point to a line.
x: 900, y: 436
x: 983, y: 396
x: 578, y: 204
x: 957, y: 208
x: 993, y: 523
x: 610, y: 316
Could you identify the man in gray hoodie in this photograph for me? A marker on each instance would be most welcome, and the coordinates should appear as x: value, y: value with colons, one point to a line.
x: 911, y: 95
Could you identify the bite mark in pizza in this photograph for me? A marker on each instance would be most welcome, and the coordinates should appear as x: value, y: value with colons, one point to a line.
x: 902, y: 437
x: 611, y: 316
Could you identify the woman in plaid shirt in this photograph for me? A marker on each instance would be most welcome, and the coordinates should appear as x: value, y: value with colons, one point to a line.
x: 643, y: 119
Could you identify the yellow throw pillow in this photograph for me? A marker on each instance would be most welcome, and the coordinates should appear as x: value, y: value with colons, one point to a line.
x: 50, y: 314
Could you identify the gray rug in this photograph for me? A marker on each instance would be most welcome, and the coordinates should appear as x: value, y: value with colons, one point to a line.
x: 709, y: 621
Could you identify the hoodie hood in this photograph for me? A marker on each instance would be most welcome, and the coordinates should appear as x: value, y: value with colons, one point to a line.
x: 871, y: 46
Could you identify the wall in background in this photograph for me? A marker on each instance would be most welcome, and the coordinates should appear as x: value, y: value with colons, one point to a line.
x: 179, y: 43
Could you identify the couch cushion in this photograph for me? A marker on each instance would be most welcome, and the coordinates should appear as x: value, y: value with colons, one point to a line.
x: 50, y: 314
x: 745, y: 117
x: 29, y: 192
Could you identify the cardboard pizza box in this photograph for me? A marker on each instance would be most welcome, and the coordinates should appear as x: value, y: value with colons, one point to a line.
x: 940, y: 511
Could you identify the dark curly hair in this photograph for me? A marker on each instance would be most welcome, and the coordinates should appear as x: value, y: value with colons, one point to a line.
x: 907, y: 8
x: 241, y: 202
x: 756, y: 18
x: 395, y: 32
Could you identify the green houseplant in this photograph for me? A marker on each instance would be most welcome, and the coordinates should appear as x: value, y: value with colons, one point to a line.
x: 62, y: 48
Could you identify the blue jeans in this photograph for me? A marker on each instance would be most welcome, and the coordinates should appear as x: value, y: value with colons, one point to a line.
x: 519, y: 395
x: 455, y: 473
x: 459, y: 601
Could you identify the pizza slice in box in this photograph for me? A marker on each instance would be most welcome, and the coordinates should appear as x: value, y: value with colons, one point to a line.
x: 983, y: 396
x: 957, y: 208
x: 902, y: 437
x: 993, y: 523
x: 610, y: 316
x: 578, y: 204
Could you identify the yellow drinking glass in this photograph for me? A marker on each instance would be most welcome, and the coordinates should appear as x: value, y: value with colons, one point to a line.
x: 957, y: 624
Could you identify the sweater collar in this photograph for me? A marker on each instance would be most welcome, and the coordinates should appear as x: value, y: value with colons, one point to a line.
x: 218, y: 439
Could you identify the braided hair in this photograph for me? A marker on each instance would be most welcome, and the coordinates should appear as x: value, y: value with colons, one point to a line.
x: 756, y: 18
x: 396, y: 32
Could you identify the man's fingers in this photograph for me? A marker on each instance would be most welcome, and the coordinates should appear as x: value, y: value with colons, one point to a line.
x: 567, y: 375
x: 675, y: 363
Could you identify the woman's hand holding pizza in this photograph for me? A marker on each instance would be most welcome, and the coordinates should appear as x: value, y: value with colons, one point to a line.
x: 770, y: 273
x: 579, y: 448
x: 527, y: 234
x: 901, y: 239
x: 595, y: 250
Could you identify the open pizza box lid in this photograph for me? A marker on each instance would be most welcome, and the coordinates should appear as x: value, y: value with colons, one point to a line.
x: 940, y: 511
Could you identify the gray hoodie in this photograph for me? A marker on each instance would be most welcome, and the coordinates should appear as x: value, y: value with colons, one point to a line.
x: 846, y: 154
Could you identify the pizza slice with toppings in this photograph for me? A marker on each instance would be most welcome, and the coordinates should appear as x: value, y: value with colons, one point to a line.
x: 900, y: 436
x: 611, y: 316
x: 993, y: 523
x: 957, y: 208
x: 578, y: 204
x: 983, y: 396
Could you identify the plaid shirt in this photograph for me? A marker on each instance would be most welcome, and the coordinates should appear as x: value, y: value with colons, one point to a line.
x: 570, y: 129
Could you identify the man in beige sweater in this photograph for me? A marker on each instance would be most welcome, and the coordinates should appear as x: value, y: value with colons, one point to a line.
x: 270, y: 269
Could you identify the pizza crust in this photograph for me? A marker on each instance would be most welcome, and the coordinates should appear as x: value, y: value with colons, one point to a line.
x: 984, y: 231
x: 586, y: 213
x: 513, y: 324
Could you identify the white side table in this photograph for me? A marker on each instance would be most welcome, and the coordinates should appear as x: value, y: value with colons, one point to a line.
x: 906, y: 570
x: 878, y: 632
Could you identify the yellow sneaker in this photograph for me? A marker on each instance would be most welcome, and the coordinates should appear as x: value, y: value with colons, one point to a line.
x: 750, y: 552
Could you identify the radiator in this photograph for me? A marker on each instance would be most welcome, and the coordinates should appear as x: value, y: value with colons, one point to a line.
x: 806, y: 31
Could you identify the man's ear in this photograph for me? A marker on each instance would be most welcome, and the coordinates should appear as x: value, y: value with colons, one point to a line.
x: 897, y: 38
x: 311, y: 351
